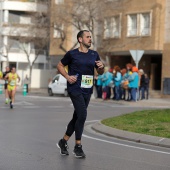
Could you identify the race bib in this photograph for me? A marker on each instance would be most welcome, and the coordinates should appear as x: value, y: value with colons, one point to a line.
x: 87, y: 81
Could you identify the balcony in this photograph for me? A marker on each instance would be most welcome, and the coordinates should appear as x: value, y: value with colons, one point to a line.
x: 23, y: 31
x: 23, y: 5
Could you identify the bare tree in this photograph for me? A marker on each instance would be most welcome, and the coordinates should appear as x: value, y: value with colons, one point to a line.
x: 79, y: 15
x: 35, y: 41
x: 5, y: 51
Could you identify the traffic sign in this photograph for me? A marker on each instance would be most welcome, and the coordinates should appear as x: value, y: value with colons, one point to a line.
x: 137, y: 55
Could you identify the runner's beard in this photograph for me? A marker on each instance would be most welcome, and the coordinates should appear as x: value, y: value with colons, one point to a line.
x: 87, y: 45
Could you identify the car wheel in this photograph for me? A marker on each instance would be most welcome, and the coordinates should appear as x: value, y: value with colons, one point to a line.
x: 50, y: 92
x: 65, y: 93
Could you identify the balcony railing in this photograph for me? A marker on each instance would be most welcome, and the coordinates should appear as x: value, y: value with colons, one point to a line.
x: 24, y: 0
x: 24, y: 5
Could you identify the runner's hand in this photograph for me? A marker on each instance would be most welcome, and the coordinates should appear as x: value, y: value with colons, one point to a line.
x: 72, y: 79
x: 99, y: 64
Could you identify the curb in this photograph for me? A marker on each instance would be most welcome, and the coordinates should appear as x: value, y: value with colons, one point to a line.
x: 147, y: 103
x: 130, y: 136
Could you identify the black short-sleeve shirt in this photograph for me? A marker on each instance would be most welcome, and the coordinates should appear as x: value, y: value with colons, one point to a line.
x: 82, y: 64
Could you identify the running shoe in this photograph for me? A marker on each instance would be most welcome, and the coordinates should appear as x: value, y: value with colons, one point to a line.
x: 11, y: 105
x: 62, y: 145
x: 6, y: 102
x: 78, y: 151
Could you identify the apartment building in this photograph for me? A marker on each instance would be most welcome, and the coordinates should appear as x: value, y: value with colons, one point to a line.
x: 139, y: 25
x: 18, y: 29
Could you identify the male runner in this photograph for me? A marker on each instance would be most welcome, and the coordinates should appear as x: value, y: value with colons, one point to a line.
x: 80, y: 77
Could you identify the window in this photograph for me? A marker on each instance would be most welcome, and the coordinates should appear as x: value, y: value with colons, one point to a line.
x: 112, y: 27
x: 58, y: 30
x: 59, y: 1
x: 132, y: 25
x: 116, y: 26
x: 23, y: 66
x: 145, y: 24
x: 106, y: 28
x: 14, y: 44
x: 139, y: 24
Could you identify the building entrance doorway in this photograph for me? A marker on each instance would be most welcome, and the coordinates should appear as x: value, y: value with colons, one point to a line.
x: 12, y: 64
x: 156, y: 72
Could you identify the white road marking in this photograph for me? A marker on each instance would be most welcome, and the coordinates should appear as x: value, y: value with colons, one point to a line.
x: 161, y: 139
x: 31, y: 107
x: 51, y: 98
x: 23, y: 103
x: 129, y: 146
x: 55, y: 107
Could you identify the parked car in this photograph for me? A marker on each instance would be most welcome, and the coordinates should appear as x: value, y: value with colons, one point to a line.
x: 58, y: 85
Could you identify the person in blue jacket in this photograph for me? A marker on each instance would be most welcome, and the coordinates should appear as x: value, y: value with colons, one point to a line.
x: 134, y: 83
x: 123, y: 90
x: 117, y: 78
x: 99, y: 86
x: 106, y: 79
x: 129, y: 72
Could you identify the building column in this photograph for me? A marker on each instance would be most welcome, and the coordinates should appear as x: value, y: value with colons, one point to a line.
x: 6, y: 16
x: 166, y: 47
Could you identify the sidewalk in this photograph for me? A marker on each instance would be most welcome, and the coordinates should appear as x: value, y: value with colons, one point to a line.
x: 35, y: 91
x: 153, y: 102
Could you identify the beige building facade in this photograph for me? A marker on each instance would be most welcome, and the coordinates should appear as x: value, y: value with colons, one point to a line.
x: 128, y: 25
x: 62, y: 35
x: 140, y: 25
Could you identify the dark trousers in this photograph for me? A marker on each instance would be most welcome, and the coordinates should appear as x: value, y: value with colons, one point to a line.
x: 123, y: 94
x: 142, y: 92
x: 99, y: 91
x: 26, y: 87
x: 80, y: 103
x: 114, y: 93
x: 117, y: 92
x: 108, y: 92
x: 133, y: 94
x: 147, y: 91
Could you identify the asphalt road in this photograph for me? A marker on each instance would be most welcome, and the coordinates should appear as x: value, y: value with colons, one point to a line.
x: 29, y: 132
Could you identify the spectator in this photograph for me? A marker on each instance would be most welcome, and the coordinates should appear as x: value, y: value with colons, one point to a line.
x: 134, y: 83
x: 26, y: 82
x: 106, y: 79
x: 141, y: 84
x: 99, y: 86
x: 129, y: 72
x: 146, y: 86
x: 117, y: 78
x: 123, y: 90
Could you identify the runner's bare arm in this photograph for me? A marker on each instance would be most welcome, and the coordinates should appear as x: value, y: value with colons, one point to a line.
x: 6, y: 77
x: 18, y: 78
x: 61, y: 69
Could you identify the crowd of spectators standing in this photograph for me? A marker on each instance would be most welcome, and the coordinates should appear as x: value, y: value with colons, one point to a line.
x: 130, y: 84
